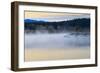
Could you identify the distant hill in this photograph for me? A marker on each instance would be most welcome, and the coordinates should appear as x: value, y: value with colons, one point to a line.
x: 32, y: 21
x: 82, y: 24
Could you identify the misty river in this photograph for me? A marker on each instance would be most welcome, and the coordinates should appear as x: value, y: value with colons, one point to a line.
x: 56, y: 40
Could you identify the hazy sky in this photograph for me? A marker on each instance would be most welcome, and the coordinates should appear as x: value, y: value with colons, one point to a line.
x: 51, y: 16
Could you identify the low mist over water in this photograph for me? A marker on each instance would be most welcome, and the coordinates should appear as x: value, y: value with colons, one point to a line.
x: 57, y: 40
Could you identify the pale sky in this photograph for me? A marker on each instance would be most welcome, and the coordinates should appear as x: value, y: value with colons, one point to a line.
x: 51, y: 16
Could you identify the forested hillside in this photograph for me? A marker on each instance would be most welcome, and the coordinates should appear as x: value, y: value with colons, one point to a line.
x: 77, y: 25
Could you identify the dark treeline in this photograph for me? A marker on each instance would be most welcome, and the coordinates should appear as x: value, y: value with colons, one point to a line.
x: 76, y: 25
